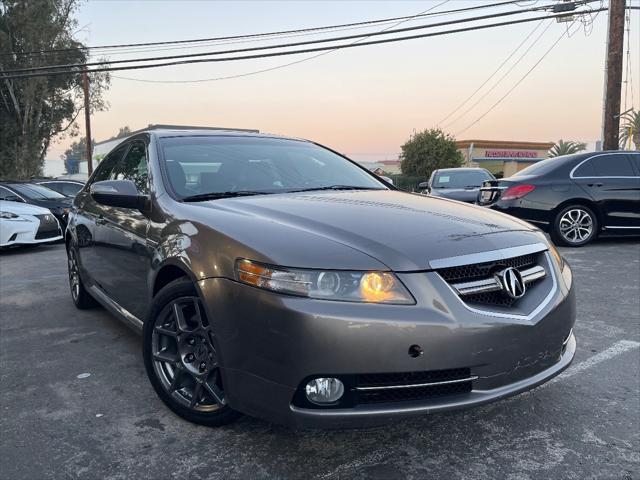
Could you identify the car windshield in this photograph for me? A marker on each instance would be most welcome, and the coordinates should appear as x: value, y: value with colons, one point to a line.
x: 219, y: 166
x: 36, y: 192
x: 460, y: 178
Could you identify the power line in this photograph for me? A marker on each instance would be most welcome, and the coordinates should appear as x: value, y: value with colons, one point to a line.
x: 272, y: 47
x: 268, y: 34
x: 492, y: 75
x: 515, y: 86
x: 509, y: 70
x: 294, y: 52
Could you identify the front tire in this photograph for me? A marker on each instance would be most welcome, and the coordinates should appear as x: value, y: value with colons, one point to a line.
x: 574, y: 226
x: 181, y: 359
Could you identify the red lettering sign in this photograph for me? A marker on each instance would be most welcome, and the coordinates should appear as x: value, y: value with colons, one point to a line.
x: 511, y: 154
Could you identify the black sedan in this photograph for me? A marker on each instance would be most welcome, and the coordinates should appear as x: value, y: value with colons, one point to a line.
x: 68, y: 188
x: 457, y: 183
x: 38, y: 195
x: 574, y: 197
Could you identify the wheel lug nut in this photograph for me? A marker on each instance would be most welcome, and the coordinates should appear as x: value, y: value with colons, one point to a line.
x: 191, y: 341
x: 203, y: 366
x: 190, y: 358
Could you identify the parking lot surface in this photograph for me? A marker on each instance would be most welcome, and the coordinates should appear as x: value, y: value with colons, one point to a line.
x: 76, y: 402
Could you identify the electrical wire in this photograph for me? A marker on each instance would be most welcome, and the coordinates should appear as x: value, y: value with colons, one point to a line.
x: 272, y: 47
x: 515, y: 64
x: 500, y: 100
x: 268, y: 34
x: 492, y: 75
x: 285, y: 53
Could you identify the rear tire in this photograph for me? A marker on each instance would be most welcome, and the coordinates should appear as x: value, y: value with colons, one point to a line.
x: 180, y: 357
x: 81, y: 298
x: 574, y: 226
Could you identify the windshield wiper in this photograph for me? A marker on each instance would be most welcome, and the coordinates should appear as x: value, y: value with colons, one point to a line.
x: 334, y: 187
x: 217, y: 195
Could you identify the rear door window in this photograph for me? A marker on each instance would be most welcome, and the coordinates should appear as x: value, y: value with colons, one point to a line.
x: 611, y: 166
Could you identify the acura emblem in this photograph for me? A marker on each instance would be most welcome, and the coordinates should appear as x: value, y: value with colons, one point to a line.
x: 512, y: 282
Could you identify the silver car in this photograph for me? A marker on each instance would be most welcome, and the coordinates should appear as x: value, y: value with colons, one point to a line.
x: 276, y: 278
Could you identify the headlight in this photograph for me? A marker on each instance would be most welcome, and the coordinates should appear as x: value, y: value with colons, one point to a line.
x: 10, y: 216
x: 556, y: 255
x: 373, y: 287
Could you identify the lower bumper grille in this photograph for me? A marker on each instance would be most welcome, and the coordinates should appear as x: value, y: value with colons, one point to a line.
x: 48, y: 227
x: 412, y: 386
x: 391, y: 388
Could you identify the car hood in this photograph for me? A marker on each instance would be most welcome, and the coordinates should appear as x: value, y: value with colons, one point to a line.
x: 402, y: 231
x: 20, y: 208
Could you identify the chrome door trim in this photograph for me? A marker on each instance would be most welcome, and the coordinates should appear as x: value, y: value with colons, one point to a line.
x: 607, y: 226
x: 489, y: 256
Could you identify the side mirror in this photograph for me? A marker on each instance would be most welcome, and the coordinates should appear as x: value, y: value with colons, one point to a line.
x: 118, y: 193
x: 424, y: 186
x: 13, y: 198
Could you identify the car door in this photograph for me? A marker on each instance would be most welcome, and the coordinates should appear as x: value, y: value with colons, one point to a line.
x: 86, y: 216
x: 121, y: 238
x: 611, y: 181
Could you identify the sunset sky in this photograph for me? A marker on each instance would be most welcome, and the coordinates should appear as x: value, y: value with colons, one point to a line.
x: 363, y: 101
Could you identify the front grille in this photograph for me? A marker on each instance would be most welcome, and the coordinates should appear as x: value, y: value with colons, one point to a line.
x: 478, y: 271
x: 48, y: 227
x: 410, y: 386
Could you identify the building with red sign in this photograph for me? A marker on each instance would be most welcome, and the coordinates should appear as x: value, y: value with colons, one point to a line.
x: 502, y: 158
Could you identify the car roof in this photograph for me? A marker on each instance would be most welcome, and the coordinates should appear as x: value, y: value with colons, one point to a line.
x: 218, y: 132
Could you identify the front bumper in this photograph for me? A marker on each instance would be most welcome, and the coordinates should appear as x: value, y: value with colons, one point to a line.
x: 270, y: 344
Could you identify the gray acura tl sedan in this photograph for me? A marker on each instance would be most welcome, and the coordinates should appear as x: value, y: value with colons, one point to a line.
x: 276, y: 278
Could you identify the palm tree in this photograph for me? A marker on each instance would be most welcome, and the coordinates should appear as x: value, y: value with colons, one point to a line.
x: 566, y: 148
x: 630, y: 129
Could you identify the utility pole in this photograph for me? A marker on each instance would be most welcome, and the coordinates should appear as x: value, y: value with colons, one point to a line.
x: 613, y: 76
x: 87, y: 120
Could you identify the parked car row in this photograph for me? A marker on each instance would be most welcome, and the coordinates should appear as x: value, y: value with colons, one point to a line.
x: 574, y: 198
x: 35, y: 212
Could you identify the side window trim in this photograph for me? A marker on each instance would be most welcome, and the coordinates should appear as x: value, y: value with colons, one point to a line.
x: 572, y: 176
x: 11, y: 192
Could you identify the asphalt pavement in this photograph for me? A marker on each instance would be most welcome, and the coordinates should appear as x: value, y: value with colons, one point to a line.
x: 76, y: 402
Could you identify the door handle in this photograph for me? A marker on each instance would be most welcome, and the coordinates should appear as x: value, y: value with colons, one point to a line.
x: 594, y: 184
x: 100, y: 220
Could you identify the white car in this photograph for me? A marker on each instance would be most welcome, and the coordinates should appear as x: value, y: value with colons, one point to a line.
x: 24, y: 224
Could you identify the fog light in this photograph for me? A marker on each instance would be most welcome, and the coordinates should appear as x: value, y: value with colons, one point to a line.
x: 324, y: 390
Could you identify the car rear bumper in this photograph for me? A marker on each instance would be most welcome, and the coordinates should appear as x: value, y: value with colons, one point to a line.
x: 270, y: 345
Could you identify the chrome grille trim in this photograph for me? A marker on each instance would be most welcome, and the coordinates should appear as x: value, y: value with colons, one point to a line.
x: 490, y: 256
x: 492, y: 284
x: 417, y: 385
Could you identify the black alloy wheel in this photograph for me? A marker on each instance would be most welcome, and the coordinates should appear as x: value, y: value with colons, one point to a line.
x: 81, y: 298
x: 181, y: 359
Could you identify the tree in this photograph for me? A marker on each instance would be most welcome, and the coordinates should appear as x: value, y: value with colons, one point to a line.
x: 566, y: 148
x: 37, y: 110
x: 122, y: 132
x: 630, y: 129
x: 76, y: 153
x: 427, y: 151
